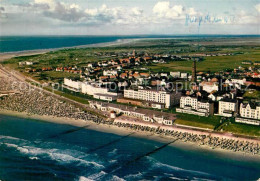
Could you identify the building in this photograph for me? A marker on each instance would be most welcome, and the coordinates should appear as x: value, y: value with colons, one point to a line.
x: 193, y: 105
x: 257, y: 63
x: 209, y: 86
x: 152, y: 95
x: 75, y: 86
x: 184, y: 75
x: 247, y: 62
x: 98, y: 91
x: 145, y: 115
x: 105, y: 97
x: 227, y: 107
x: 109, y: 72
x: 175, y: 74
x: 141, y: 103
x: 249, y: 113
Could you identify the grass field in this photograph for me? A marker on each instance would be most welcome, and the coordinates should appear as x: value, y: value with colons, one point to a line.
x: 252, y: 94
x: 213, y: 64
x: 197, y: 121
x: 242, y: 129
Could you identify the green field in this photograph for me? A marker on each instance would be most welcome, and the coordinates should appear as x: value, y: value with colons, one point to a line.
x: 243, y: 49
x: 213, y: 64
x: 252, y: 94
x: 243, y: 129
x: 197, y: 121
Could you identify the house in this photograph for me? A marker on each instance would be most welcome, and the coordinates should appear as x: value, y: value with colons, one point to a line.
x: 184, y: 75
x: 257, y: 63
x: 109, y: 72
x: 247, y: 62
x: 175, y: 74
x: 210, y: 86
x: 29, y: 63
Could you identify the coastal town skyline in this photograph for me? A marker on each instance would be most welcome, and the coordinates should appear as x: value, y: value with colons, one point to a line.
x: 53, y: 17
x: 129, y: 90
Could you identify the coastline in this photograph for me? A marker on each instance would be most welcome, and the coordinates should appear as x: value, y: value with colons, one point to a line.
x: 8, y: 55
x: 138, y: 134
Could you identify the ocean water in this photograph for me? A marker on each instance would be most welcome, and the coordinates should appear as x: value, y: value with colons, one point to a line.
x: 22, y: 43
x: 37, y: 150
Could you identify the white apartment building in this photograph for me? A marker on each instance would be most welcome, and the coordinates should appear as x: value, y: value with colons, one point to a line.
x: 250, y: 111
x: 152, y: 95
x: 249, y: 114
x: 227, y: 107
x: 191, y: 105
x: 95, y: 88
x: 72, y: 85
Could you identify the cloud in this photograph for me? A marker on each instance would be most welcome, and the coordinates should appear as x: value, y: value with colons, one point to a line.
x: 57, y: 16
x: 246, y: 18
x: 116, y: 15
x: 257, y: 7
x: 51, y: 3
x: 65, y: 12
x: 163, y: 10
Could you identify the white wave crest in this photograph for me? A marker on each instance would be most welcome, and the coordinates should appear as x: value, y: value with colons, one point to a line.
x: 113, y: 152
x: 82, y: 178
x: 11, y: 138
x: 116, y: 178
x: 53, y: 154
x: 134, y: 176
x: 34, y: 158
x: 158, y: 164
x: 97, y: 175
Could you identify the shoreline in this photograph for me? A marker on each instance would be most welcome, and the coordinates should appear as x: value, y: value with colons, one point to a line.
x: 190, y: 146
x: 8, y: 55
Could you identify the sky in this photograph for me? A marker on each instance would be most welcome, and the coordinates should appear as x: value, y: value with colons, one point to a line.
x: 129, y: 17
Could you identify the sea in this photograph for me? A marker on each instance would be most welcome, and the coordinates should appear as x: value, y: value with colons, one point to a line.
x: 37, y: 150
x: 25, y: 43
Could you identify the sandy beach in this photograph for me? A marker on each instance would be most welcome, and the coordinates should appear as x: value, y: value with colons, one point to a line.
x: 140, y: 134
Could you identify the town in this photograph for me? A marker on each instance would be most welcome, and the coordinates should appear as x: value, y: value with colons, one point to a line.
x: 122, y: 85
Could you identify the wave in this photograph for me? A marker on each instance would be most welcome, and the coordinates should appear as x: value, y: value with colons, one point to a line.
x: 82, y: 178
x: 96, y: 175
x: 112, y: 161
x: 11, y: 138
x: 116, y: 178
x: 113, y: 152
x: 133, y: 176
x: 54, y: 154
x: 34, y: 158
x: 157, y: 164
